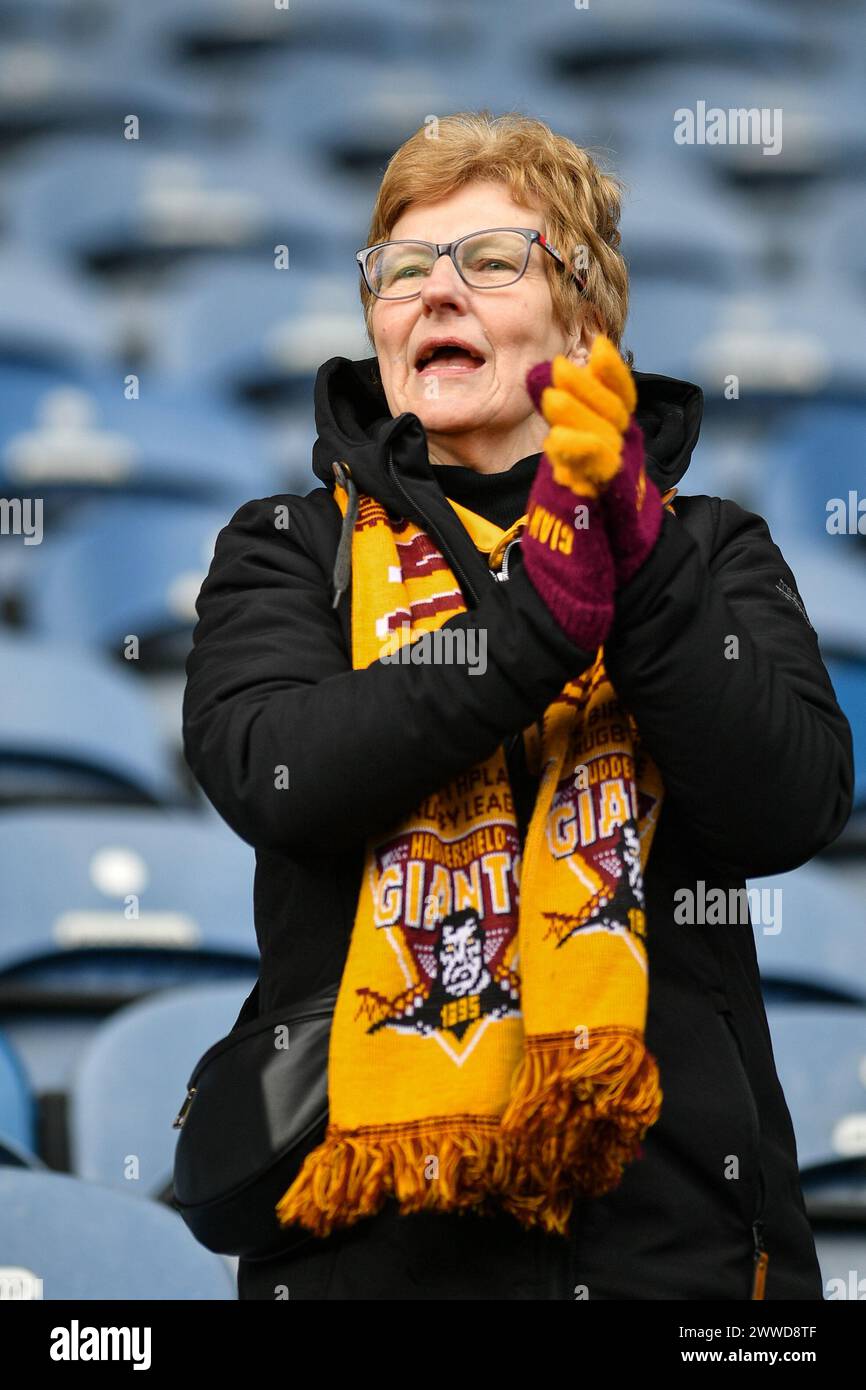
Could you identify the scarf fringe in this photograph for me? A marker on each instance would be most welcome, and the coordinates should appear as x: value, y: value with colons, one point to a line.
x: 575, y: 1118
x: 350, y: 1176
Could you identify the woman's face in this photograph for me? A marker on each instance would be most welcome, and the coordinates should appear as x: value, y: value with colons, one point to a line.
x: 483, y: 417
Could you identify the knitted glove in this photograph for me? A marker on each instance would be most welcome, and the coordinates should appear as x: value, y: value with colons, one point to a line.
x: 603, y: 394
x: 564, y: 543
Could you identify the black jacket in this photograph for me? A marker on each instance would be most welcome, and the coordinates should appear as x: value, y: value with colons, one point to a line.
x: 757, y: 762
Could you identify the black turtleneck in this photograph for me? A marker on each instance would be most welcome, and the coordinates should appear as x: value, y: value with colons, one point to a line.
x: 498, y: 497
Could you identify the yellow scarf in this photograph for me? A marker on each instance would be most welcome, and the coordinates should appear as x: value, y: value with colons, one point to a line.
x: 487, y: 1045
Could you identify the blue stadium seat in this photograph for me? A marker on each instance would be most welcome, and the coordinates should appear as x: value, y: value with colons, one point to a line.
x: 248, y: 334
x: 617, y: 47
x: 820, y: 1053
x: 30, y: 17
x: 67, y: 442
x: 85, y: 1241
x: 782, y: 345
x: 125, y: 885
x: 799, y: 495
x: 15, y: 1155
x: 73, y: 726
x: 668, y: 322
x: 72, y: 948
x: 819, y: 952
x: 669, y: 222
x: 17, y: 1107
x: 373, y: 106
x: 725, y: 464
x: 834, y: 218
x: 817, y: 144
x: 134, y: 567
x: 131, y: 1081
x: 51, y: 319
x: 824, y: 575
x: 223, y: 35
x: 842, y: 1258
x: 88, y: 201
x: 849, y: 683
x: 63, y: 89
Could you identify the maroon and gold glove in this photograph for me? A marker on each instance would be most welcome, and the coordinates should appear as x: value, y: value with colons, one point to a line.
x: 600, y: 399
x: 565, y: 547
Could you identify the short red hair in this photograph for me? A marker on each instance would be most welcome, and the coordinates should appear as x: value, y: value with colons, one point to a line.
x: 578, y: 202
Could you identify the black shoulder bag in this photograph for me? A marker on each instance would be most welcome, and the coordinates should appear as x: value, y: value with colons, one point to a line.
x: 256, y: 1105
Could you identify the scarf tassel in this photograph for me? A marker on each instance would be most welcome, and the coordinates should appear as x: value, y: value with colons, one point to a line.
x: 575, y: 1118
x: 351, y: 1174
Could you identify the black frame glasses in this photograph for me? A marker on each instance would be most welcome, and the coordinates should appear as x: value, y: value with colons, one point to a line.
x: 447, y: 248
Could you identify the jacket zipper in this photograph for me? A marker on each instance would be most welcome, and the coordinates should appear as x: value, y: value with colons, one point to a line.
x: 503, y: 568
x: 760, y: 1256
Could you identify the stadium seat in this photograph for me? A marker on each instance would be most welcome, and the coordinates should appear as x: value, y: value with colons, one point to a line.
x: 250, y: 335
x: 15, y: 1155
x: 842, y: 1258
x: 373, y: 106
x: 834, y: 218
x: 820, y: 135
x: 814, y: 947
x: 626, y: 46
x: 800, y: 496
x: 820, y: 1053
x: 823, y: 574
x: 60, y: 88
x: 131, y: 568
x: 136, y: 899
x: 849, y: 682
x: 51, y: 321
x: 773, y: 347
x: 668, y: 221
x: 130, y: 1083
x: 220, y: 34
x: 83, y: 438
x: 157, y: 371
x: 86, y: 200
x: 667, y: 323
x: 74, y: 727
x: 17, y: 1108
x: 787, y: 342
x: 81, y: 1240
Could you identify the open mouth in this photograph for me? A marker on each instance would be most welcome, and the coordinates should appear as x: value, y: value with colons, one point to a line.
x: 448, y: 358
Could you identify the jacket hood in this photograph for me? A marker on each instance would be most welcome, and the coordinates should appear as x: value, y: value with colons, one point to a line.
x: 354, y: 424
x: 387, y: 456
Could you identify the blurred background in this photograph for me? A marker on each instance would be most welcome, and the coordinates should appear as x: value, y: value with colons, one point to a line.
x: 156, y: 371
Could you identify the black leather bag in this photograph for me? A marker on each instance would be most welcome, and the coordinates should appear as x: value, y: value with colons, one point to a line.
x: 252, y: 1113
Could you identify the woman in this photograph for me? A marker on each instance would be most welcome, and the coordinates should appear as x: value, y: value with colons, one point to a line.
x: 543, y: 1082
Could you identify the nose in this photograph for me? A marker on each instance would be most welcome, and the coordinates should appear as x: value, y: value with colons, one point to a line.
x: 443, y: 287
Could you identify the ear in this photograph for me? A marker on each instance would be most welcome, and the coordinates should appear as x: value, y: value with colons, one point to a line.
x: 579, y: 346
x: 582, y: 338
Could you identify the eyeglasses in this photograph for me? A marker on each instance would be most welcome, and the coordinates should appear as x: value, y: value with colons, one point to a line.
x: 484, y: 260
